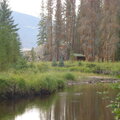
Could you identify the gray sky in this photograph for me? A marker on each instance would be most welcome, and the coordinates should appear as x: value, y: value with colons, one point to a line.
x: 31, y: 7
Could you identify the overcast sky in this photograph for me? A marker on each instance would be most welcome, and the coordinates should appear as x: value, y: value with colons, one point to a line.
x: 31, y: 7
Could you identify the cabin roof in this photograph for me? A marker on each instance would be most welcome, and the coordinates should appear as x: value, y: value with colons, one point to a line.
x: 78, y: 55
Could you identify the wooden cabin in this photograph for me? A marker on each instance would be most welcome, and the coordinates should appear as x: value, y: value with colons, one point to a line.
x: 79, y: 57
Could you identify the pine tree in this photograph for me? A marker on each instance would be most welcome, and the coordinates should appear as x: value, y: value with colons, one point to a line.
x: 118, y: 44
x: 70, y: 25
x: 58, y: 28
x: 50, y: 28
x: 108, y: 30
x: 9, y: 39
x: 92, y: 30
x: 42, y: 36
x: 32, y: 55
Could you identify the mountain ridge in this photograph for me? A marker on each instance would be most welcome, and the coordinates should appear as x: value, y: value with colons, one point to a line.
x: 28, y: 31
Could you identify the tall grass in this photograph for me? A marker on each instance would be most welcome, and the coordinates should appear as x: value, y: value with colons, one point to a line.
x: 43, y: 78
x: 30, y: 84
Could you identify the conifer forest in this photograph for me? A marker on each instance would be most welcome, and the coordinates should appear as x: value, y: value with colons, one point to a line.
x: 72, y: 72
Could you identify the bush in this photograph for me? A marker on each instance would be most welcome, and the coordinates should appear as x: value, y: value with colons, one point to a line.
x: 79, y: 63
x: 98, y: 70
x: 69, y: 76
x: 21, y: 64
x: 42, y: 67
x: 115, y: 105
x: 91, y: 65
x: 54, y: 62
x: 48, y: 84
x: 118, y: 76
x: 31, y: 65
x: 61, y: 62
x: 61, y: 83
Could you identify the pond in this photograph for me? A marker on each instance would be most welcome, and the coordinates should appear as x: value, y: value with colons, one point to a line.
x: 84, y: 102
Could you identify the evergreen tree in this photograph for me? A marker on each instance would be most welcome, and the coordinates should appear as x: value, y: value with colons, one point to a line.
x: 90, y: 29
x: 58, y: 28
x: 118, y: 44
x: 33, y: 54
x: 50, y: 28
x: 54, y: 62
x: 61, y: 62
x: 42, y: 27
x: 9, y: 39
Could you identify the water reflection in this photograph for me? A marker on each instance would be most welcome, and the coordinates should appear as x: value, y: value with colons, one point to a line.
x: 32, y: 114
x: 77, y: 103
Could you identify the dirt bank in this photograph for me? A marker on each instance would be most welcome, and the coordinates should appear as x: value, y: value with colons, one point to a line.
x: 93, y: 80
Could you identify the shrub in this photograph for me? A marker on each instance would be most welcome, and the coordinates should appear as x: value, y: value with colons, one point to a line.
x: 21, y: 64
x: 3, y: 85
x: 31, y: 65
x: 61, y: 62
x: 91, y: 65
x: 61, y: 83
x: 54, y: 62
x: 79, y: 63
x: 42, y: 67
x: 118, y: 76
x: 69, y: 76
x: 115, y: 104
x: 98, y: 70
x: 48, y: 84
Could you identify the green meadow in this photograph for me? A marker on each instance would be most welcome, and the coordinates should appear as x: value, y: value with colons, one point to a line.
x: 43, y: 78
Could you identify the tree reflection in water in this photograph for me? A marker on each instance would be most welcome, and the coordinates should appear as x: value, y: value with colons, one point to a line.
x: 77, y: 103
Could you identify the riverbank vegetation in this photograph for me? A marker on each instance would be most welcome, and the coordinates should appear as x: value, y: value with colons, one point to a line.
x: 29, y: 79
x: 115, y: 104
x: 75, y: 29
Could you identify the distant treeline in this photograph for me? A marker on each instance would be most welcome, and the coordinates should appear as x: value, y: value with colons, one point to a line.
x: 89, y: 27
x: 9, y: 38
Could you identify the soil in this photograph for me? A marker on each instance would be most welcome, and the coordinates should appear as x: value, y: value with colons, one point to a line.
x: 94, y: 79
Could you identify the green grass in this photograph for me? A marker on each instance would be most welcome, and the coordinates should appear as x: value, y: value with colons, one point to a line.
x: 29, y: 83
x: 43, y: 78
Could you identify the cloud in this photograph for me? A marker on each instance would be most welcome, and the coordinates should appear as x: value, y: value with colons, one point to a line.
x: 31, y: 7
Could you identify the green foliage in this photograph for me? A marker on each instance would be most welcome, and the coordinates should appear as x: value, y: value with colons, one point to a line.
x: 42, y: 31
x: 29, y: 83
x: 33, y: 55
x: 115, y: 105
x: 91, y: 65
x: 69, y: 76
x: 54, y: 62
x: 48, y: 83
x: 79, y: 63
x: 61, y: 62
x: 42, y: 35
x: 42, y: 78
x: 9, y: 39
x: 61, y: 83
x: 21, y: 64
x: 42, y: 67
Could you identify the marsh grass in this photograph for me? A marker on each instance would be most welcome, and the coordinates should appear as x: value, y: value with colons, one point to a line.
x: 42, y: 78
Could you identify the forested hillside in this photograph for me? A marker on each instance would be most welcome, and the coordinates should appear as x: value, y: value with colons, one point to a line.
x: 89, y: 27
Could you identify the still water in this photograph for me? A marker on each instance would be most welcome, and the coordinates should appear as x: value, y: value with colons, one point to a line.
x: 85, y: 102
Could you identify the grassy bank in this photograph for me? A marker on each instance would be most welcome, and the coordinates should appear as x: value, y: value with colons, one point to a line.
x: 42, y: 78
x: 28, y: 84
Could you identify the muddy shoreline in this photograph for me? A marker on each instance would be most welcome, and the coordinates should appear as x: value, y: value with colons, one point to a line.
x: 94, y: 80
